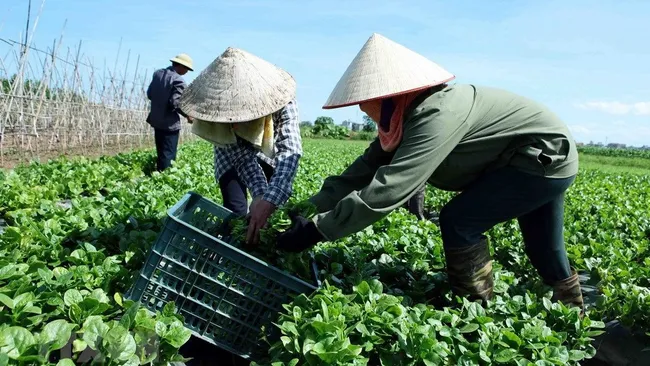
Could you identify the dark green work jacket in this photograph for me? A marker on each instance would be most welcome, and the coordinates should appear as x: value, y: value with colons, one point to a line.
x: 451, y: 137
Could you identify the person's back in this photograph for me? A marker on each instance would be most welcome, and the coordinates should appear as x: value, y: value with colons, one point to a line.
x: 535, y: 131
x: 163, y: 114
x: 503, y: 128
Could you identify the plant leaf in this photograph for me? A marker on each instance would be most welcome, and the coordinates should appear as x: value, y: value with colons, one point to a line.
x: 93, y: 329
x: 15, y: 341
x: 72, y: 296
x: 7, y: 301
x: 56, y: 334
x: 505, y: 355
x: 468, y: 328
x: 79, y: 345
x: 177, y: 336
x: 118, y: 343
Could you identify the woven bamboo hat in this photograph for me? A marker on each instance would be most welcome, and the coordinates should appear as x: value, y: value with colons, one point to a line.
x: 384, y: 68
x: 237, y: 87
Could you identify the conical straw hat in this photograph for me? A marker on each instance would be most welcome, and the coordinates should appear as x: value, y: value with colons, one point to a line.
x: 384, y: 68
x: 237, y: 87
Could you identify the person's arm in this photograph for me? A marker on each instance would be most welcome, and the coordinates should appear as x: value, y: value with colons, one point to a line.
x: 289, y: 150
x: 356, y: 176
x: 245, y: 163
x: 150, y: 84
x: 428, y: 138
x: 178, y: 86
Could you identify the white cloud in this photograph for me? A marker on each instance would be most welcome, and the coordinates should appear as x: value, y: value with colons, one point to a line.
x: 618, y: 108
x: 642, y: 108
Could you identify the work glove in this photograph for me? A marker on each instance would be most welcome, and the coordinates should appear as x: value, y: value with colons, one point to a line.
x: 302, y: 235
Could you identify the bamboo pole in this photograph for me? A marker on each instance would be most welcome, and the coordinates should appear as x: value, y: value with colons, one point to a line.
x: 62, y: 103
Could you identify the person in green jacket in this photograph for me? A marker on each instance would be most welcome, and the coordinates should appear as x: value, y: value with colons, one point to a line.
x: 508, y: 156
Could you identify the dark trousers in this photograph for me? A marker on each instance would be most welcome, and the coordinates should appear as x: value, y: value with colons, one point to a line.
x: 233, y: 189
x: 536, y: 202
x: 166, y: 146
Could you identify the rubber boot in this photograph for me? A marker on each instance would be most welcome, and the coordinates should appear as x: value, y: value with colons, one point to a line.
x: 470, y: 271
x: 415, y: 205
x: 568, y: 292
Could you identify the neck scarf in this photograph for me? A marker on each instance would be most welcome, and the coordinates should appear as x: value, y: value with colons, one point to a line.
x: 258, y: 132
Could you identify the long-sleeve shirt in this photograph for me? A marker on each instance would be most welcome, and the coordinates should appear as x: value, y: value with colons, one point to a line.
x: 287, y: 152
x: 165, y: 91
x: 450, y: 139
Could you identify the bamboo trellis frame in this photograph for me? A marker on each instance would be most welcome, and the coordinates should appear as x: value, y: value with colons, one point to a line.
x: 94, y: 108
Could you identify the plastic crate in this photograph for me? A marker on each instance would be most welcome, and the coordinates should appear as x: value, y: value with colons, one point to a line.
x: 225, y: 294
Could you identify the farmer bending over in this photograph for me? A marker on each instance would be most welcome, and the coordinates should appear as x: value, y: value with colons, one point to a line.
x: 246, y: 107
x: 509, y: 157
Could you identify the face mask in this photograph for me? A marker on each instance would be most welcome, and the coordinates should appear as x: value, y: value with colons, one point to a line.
x: 387, y: 109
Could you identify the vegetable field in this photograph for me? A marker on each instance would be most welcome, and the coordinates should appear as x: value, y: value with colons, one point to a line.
x: 74, y: 234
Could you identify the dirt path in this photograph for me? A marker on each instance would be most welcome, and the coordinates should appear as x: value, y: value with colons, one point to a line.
x: 11, y: 161
x: 16, y: 156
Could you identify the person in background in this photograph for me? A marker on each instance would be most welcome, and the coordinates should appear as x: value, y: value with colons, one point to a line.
x: 246, y: 107
x: 164, y: 92
x: 507, y: 156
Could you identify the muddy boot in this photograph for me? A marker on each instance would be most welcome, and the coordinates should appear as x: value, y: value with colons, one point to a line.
x: 568, y: 292
x: 470, y: 271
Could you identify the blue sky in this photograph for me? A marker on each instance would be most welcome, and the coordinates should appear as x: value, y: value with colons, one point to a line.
x: 588, y: 60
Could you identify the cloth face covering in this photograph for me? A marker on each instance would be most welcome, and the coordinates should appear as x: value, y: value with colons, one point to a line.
x: 258, y: 132
x: 390, y: 128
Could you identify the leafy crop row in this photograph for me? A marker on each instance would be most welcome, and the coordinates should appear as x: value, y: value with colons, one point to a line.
x: 369, y: 327
x: 96, y: 245
x: 615, y: 152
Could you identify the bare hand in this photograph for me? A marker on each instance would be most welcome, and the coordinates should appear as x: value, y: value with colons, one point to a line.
x: 260, y: 211
x: 190, y: 119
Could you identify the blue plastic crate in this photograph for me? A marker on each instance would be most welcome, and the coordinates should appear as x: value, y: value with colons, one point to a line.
x: 225, y: 294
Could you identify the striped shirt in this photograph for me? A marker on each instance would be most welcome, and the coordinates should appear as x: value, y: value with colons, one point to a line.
x: 243, y: 157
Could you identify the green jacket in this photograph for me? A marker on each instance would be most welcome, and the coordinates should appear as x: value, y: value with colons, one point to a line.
x: 450, y: 138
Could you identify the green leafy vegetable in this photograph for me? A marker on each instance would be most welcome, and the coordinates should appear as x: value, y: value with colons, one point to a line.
x: 75, y: 233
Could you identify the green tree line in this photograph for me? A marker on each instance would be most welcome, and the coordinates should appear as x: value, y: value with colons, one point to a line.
x: 324, y: 127
x: 34, y: 87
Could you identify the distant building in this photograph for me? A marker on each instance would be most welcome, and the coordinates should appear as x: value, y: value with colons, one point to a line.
x: 615, y: 145
x: 356, y: 126
x: 346, y: 124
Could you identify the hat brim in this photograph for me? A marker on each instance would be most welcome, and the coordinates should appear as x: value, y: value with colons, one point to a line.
x: 181, y: 62
x: 387, y: 95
